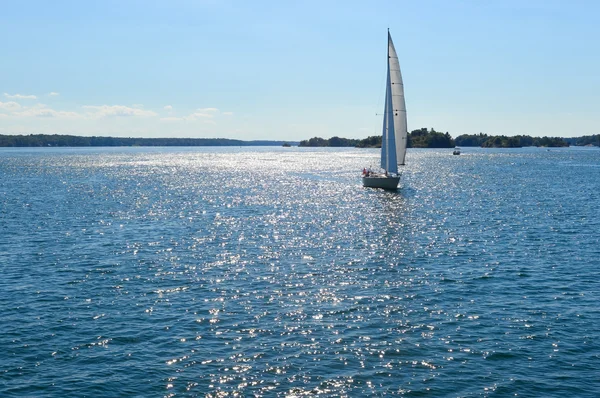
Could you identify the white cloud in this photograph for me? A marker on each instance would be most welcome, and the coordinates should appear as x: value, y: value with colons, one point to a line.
x: 53, y: 94
x: 41, y: 111
x: 47, y: 112
x: 116, y: 111
x: 204, y: 113
x: 172, y: 119
x: 19, y: 96
x: 9, y: 106
x: 38, y: 110
x: 14, y: 109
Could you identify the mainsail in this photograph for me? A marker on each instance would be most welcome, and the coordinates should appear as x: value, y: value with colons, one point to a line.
x: 397, y: 101
x: 388, y: 136
x: 393, y: 140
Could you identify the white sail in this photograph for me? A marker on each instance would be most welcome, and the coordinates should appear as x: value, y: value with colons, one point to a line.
x: 393, y: 137
x: 388, y: 137
x: 398, y: 104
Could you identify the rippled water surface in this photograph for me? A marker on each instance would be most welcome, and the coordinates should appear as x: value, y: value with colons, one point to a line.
x: 273, y: 272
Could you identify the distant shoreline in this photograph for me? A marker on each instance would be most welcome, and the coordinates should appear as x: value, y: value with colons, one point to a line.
x: 421, y: 138
x: 57, y: 140
x: 424, y: 138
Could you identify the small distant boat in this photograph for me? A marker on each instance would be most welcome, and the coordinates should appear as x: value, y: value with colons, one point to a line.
x: 393, y: 140
x: 456, y: 151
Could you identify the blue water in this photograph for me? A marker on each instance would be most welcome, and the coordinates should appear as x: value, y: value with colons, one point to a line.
x: 273, y: 272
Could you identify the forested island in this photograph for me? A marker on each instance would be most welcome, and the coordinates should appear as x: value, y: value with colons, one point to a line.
x: 424, y: 138
x: 420, y: 138
x: 45, y: 140
x: 502, y: 141
x: 586, y: 140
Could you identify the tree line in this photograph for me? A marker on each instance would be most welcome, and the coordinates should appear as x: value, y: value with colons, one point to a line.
x: 420, y: 138
x: 45, y: 140
x: 424, y: 138
x: 502, y: 141
x: 586, y: 140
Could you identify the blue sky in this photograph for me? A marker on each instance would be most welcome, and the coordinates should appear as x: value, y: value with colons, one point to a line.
x: 292, y: 70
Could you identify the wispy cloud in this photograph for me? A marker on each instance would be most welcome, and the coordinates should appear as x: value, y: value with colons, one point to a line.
x: 19, y: 96
x: 14, y: 109
x: 42, y: 111
x: 204, y: 113
x: 116, y: 111
x: 9, y: 106
x: 53, y: 94
x: 172, y: 119
x: 48, y: 112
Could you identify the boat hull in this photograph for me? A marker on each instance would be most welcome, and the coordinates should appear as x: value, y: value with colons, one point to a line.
x: 381, y: 182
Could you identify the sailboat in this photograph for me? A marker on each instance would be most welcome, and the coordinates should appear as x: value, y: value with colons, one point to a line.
x: 393, y: 140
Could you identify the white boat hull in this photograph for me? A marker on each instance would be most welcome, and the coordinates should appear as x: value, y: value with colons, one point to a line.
x: 381, y: 182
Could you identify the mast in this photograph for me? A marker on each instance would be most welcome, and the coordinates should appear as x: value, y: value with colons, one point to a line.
x: 397, y: 99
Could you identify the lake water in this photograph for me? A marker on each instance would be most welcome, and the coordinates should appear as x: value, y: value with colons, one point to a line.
x: 273, y: 272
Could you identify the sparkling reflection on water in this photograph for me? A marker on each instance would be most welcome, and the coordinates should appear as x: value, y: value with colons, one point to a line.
x: 272, y: 272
